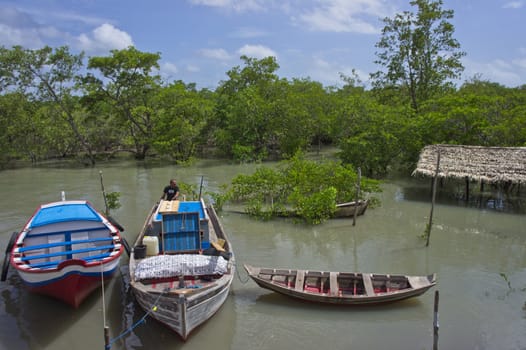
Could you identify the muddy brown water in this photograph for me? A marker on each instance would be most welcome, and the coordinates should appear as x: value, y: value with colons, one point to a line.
x: 477, y: 251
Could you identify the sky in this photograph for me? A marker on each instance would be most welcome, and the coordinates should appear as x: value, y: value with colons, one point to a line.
x: 201, y: 40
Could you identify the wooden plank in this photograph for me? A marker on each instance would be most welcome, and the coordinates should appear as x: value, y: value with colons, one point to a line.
x: 334, y: 284
x: 300, y: 279
x: 368, y: 284
x: 418, y: 281
x: 169, y: 207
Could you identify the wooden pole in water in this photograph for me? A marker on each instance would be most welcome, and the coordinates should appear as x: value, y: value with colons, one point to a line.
x: 201, y: 187
x: 435, y: 323
x: 428, y: 229
x: 106, y: 337
x: 104, y: 194
x: 357, y: 196
x: 467, y: 190
x: 106, y: 328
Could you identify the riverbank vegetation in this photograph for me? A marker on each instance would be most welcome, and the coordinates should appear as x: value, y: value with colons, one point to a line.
x: 305, y: 189
x: 55, y: 104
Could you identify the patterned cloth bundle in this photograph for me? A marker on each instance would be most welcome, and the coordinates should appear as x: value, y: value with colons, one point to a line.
x: 166, y: 266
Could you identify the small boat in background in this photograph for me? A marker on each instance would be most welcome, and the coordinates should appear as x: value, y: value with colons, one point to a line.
x: 65, y: 250
x: 345, y: 288
x: 344, y: 210
x: 182, y: 265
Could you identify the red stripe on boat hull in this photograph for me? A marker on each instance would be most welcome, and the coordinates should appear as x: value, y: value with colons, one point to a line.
x: 72, y: 289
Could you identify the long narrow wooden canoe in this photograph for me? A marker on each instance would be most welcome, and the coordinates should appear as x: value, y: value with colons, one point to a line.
x: 344, y: 210
x: 348, y: 288
x: 182, y: 265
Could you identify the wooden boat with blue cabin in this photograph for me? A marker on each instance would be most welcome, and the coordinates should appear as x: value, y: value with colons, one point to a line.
x: 65, y: 250
x: 344, y: 288
x: 182, y: 265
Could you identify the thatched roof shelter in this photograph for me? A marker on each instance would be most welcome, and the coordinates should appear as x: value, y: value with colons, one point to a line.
x: 474, y: 163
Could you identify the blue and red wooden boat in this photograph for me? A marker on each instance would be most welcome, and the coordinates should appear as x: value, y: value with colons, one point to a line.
x: 65, y: 250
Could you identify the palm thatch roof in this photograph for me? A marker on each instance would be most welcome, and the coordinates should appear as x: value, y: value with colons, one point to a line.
x: 476, y: 163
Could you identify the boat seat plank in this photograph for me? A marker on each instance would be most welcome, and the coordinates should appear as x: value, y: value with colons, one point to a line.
x: 333, y: 284
x: 368, y: 284
x: 67, y: 252
x: 87, y: 229
x: 300, y: 279
x: 418, y: 281
x: 55, y: 263
x: 63, y: 243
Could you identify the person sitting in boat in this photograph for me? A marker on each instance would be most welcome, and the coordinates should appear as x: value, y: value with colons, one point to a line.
x: 171, y: 192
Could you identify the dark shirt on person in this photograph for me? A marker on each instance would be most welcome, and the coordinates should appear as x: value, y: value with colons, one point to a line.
x: 170, y: 192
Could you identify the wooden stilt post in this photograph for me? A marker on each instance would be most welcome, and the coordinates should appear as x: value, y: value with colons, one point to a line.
x: 106, y: 337
x: 481, y: 194
x: 428, y: 229
x: 357, y: 196
x: 467, y: 190
x: 435, y: 322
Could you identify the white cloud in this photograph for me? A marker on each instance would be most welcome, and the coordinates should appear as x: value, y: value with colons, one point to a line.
x: 359, y: 16
x: 192, y: 68
x: 504, y: 72
x: 169, y: 68
x: 521, y: 63
x: 10, y: 36
x: 17, y: 27
x: 247, y: 33
x: 213, y: 3
x: 104, y: 38
x: 513, y: 5
x: 218, y: 54
x: 328, y: 72
x: 256, y: 51
x: 235, y: 5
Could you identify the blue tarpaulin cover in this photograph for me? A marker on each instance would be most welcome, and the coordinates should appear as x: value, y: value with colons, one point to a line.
x: 64, y: 212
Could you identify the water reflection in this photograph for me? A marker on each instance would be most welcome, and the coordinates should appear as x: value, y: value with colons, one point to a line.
x: 470, y: 248
x: 454, y: 193
x: 41, y: 321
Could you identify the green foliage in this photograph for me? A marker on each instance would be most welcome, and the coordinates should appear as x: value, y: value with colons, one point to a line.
x: 127, y: 87
x: 317, y: 207
x: 113, y: 200
x: 244, y: 153
x: 419, y: 52
x: 505, y: 277
x: 298, y: 187
x: 182, y: 121
x: 189, y: 191
x: 219, y: 199
x: 48, y: 76
x: 51, y: 108
x: 244, y: 109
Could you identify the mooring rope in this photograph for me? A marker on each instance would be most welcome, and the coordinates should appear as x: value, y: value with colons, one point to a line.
x: 139, y: 322
x: 103, y: 300
x: 154, y: 308
x: 239, y: 276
